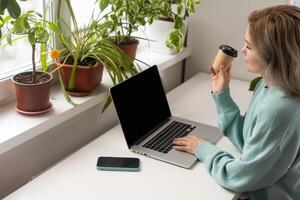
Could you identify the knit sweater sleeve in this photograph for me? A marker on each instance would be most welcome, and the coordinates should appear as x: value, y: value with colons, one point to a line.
x: 262, y: 161
x: 230, y: 120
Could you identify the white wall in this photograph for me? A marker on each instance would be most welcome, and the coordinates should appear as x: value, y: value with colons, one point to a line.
x: 219, y: 22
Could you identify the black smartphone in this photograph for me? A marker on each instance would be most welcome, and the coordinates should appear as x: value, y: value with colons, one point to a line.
x: 118, y: 164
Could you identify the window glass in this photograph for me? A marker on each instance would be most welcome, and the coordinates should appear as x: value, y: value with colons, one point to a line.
x: 83, y: 11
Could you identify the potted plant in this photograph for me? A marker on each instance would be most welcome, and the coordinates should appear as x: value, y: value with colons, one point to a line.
x: 172, y: 16
x: 160, y: 29
x: 32, y: 87
x: 124, y: 18
x: 85, y: 53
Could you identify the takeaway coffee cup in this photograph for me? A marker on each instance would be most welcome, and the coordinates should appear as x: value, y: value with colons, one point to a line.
x: 225, y: 56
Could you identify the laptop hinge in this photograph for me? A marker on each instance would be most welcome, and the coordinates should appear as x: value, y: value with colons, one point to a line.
x: 141, y: 139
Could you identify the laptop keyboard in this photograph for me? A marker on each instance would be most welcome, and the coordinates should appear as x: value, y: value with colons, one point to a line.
x: 162, y: 142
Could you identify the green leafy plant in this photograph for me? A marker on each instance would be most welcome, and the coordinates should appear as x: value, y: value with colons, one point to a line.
x: 90, y: 43
x: 13, y: 9
x: 184, y: 7
x: 126, y: 16
x: 37, y: 30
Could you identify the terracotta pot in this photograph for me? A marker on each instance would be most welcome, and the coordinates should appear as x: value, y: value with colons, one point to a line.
x: 130, y: 49
x: 87, y: 78
x: 32, y: 98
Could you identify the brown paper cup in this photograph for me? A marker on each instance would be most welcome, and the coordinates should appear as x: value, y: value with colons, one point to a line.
x: 222, y: 59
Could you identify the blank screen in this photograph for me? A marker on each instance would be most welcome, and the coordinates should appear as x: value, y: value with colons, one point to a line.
x: 141, y: 104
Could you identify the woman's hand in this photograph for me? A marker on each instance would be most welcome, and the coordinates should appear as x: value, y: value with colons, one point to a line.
x: 188, y: 143
x: 221, y: 79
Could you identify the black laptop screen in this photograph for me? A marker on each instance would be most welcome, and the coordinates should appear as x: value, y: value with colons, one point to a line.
x: 141, y: 104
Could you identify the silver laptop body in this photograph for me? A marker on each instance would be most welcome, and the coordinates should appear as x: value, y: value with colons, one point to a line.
x: 144, y: 114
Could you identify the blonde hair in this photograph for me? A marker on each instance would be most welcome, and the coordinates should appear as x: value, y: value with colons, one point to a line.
x: 275, y: 34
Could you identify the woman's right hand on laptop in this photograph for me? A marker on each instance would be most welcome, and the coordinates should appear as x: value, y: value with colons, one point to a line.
x: 187, y: 143
x: 221, y: 79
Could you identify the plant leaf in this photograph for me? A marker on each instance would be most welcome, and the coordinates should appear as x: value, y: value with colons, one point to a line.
x: 43, y: 57
x: 3, y: 6
x: 14, y: 9
x: 67, y: 97
x: 6, y: 19
x: 66, y: 42
x: 178, y: 24
x: 103, y: 4
x: 72, y: 15
x: 31, y: 38
x: 19, y: 25
x: 1, y: 21
x: 175, y: 40
x: 43, y: 36
x: 114, y: 18
x: 8, y: 38
x: 253, y: 83
x: 179, y: 10
x: 107, y: 103
x: 141, y: 21
x: 53, y: 27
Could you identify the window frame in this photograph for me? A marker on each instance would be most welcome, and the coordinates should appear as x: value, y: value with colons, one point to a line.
x: 293, y: 2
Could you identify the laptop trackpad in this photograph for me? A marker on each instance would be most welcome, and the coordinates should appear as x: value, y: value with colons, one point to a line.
x: 209, y: 133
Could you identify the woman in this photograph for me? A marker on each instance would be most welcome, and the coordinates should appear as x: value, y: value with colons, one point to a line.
x: 268, y: 136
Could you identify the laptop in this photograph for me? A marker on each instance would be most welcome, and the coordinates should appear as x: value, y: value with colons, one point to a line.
x: 147, y: 123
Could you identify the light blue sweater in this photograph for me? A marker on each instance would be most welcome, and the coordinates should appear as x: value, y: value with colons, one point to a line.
x: 268, y: 137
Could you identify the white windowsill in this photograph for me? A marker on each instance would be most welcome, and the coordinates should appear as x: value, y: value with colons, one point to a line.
x: 16, y: 128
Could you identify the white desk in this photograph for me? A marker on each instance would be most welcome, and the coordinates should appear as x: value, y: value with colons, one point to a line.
x: 76, y: 177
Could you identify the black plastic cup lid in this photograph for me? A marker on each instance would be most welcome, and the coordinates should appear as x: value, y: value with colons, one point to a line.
x: 228, y: 50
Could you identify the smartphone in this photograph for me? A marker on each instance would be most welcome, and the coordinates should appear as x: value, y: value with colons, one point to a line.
x: 118, y: 164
